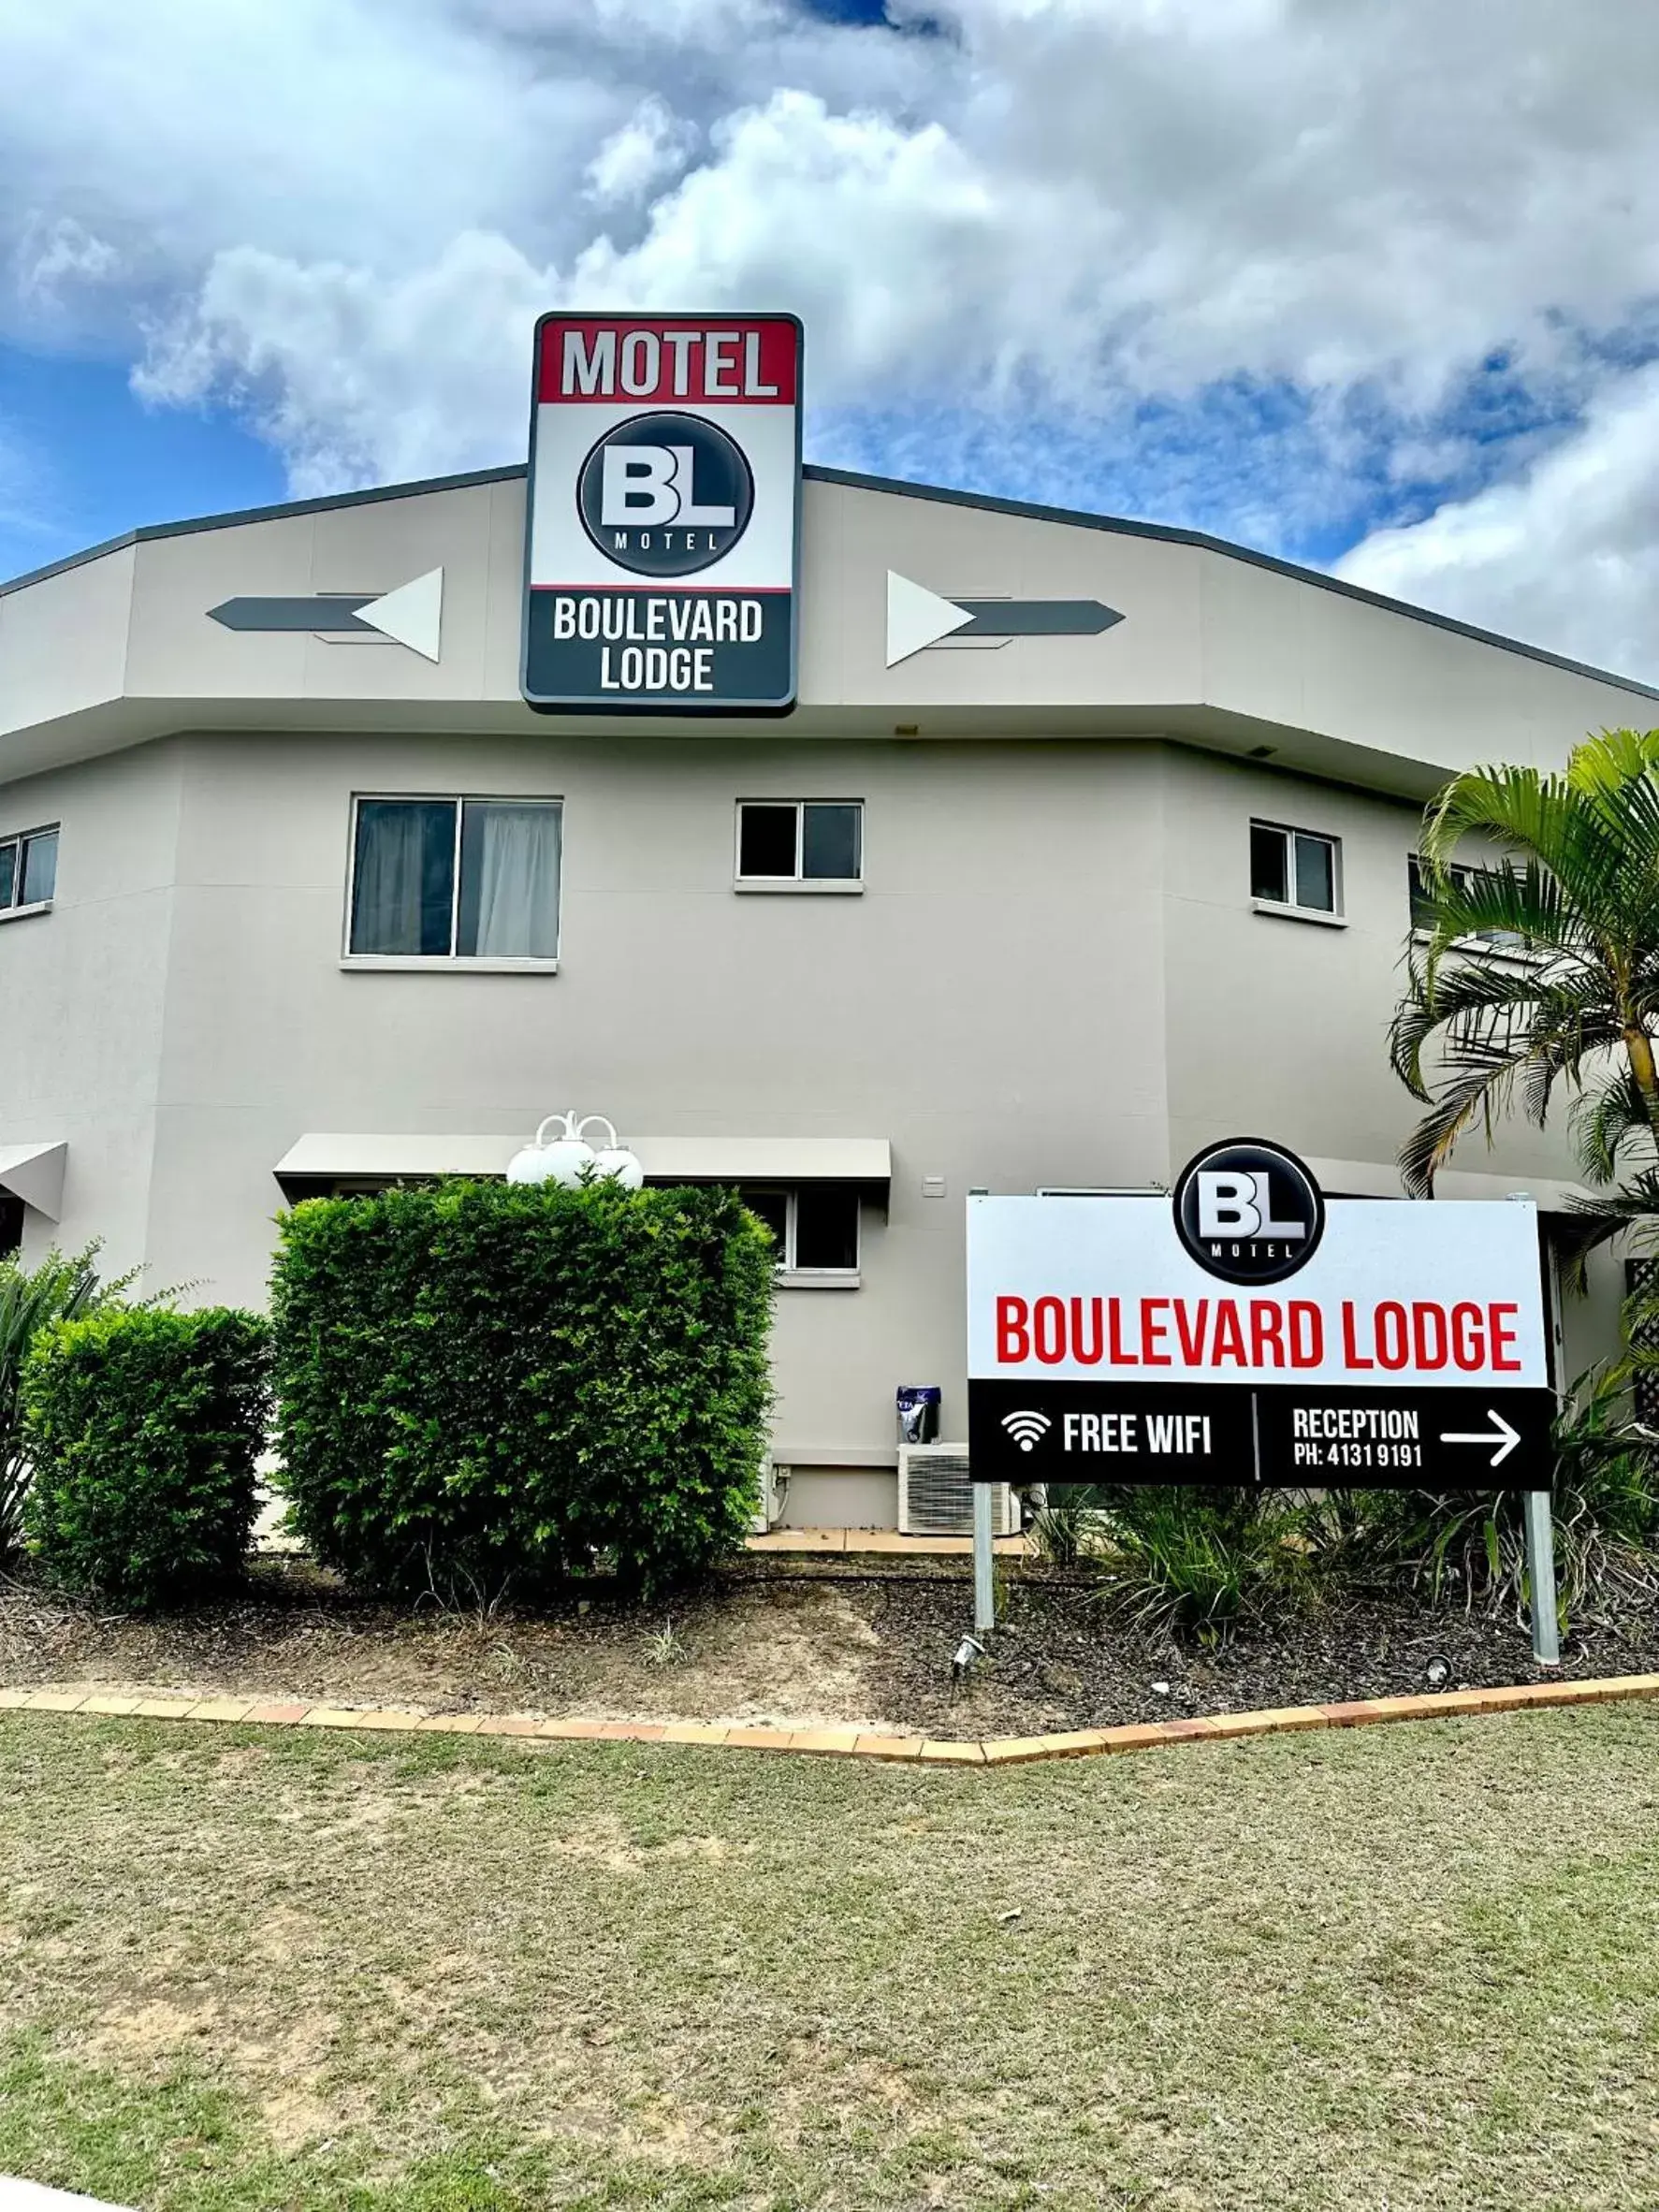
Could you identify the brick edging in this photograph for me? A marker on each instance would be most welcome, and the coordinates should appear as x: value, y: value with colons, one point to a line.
x: 861, y: 1743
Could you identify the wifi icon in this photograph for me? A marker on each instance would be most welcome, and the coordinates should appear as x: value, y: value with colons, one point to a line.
x: 1027, y: 1428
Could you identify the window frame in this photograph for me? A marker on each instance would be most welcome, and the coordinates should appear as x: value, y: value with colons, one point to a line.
x: 798, y: 884
x: 1332, y: 916
x: 785, y: 1267
x: 18, y: 842
x: 452, y: 962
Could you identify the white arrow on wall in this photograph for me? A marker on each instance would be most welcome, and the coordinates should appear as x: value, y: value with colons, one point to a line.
x: 918, y: 618
x: 412, y: 614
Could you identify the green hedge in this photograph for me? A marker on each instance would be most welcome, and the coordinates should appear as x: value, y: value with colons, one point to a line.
x: 485, y: 1386
x: 141, y: 1427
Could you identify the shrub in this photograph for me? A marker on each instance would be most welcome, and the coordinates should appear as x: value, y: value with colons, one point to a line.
x: 1200, y: 1561
x: 1605, y: 1506
x: 31, y: 1299
x: 488, y: 1384
x: 143, y: 1426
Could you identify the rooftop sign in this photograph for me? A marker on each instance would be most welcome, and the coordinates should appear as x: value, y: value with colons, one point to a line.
x: 662, y: 523
x: 1247, y: 1330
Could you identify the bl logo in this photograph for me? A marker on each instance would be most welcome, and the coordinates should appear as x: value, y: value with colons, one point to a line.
x: 665, y: 494
x: 1250, y: 1211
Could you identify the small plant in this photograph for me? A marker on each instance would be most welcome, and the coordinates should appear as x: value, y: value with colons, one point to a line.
x: 142, y: 1427
x: 61, y: 1288
x: 665, y: 1647
x: 1071, y: 1526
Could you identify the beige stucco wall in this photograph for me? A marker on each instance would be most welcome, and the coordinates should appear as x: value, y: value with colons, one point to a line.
x: 1054, y: 975
x: 82, y: 989
x: 1212, y: 644
x: 972, y: 1005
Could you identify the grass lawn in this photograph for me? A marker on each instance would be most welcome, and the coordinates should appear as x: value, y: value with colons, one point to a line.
x: 1412, y: 1967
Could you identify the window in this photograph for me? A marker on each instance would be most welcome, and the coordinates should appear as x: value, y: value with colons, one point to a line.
x: 455, y: 879
x: 1422, y: 904
x: 815, y: 1228
x: 1293, y: 868
x: 800, y: 840
x: 28, y: 869
x: 12, y: 1223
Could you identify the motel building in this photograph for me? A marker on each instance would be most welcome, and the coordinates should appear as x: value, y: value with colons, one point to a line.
x: 1084, y: 843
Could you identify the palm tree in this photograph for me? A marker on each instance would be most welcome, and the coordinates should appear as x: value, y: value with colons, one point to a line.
x: 1541, y: 968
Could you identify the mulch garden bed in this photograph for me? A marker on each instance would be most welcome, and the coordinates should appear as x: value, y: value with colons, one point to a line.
x: 799, y: 1642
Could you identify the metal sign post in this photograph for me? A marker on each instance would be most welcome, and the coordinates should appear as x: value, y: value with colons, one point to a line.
x: 985, y: 1581
x: 1540, y: 1573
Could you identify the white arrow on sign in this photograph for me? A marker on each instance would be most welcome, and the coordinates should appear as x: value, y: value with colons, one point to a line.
x: 1505, y: 1436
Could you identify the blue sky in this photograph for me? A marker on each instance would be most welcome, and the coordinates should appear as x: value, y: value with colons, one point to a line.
x: 1380, y: 296
x: 101, y: 462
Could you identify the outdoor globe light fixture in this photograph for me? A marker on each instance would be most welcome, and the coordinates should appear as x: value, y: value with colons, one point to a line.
x: 568, y: 1158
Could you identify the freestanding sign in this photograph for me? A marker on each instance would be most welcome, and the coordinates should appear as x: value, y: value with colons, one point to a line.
x: 663, y: 522
x: 1246, y: 1330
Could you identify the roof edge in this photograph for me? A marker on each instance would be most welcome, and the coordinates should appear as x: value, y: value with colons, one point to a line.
x: 148, y: 532
x: 896, y: 486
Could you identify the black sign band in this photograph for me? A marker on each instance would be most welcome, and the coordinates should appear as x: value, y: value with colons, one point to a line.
x: 1282, y: 1436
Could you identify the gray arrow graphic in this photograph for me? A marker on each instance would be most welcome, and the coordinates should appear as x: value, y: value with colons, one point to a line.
x: 328, y: 611
x: 1036, y: 617
x: 918, y: 616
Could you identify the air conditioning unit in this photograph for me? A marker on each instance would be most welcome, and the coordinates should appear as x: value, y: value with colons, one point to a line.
x: 936, y: 1494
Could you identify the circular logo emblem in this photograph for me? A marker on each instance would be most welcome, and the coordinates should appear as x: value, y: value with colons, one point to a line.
x: 1248, y: 1212
x: 665, y: 494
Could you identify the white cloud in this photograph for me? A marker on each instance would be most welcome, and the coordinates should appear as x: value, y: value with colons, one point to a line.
x: 650, y: 146
x: 343, y: 215
x: 1567, y: 557
x: 54, y: 257
x: 356, y: 379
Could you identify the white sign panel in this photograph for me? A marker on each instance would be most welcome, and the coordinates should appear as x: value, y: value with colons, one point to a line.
x: 1433, y: 1296
x: 1241, y: 1329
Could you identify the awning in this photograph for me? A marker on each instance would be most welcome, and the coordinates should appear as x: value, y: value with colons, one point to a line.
x: 35, y: 1173
x: 1361, y: 1178
x: 350, y: 1159
x: 329, y: 1159
x: 766, y: 1160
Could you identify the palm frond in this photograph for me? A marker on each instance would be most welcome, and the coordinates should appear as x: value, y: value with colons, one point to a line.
x: 1530, y: 815
x: 1591, y: 1223
x: 1477, y: 1093
x: 1522, y: 903
x: 1609, y: 1122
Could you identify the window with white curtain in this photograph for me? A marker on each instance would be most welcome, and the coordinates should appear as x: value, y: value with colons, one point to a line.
x: 455, y: 879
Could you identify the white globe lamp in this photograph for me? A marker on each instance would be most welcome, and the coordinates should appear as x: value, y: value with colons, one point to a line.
x: 615, y: 1161
x: 568, y: 1158
x: 558, y: 1159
